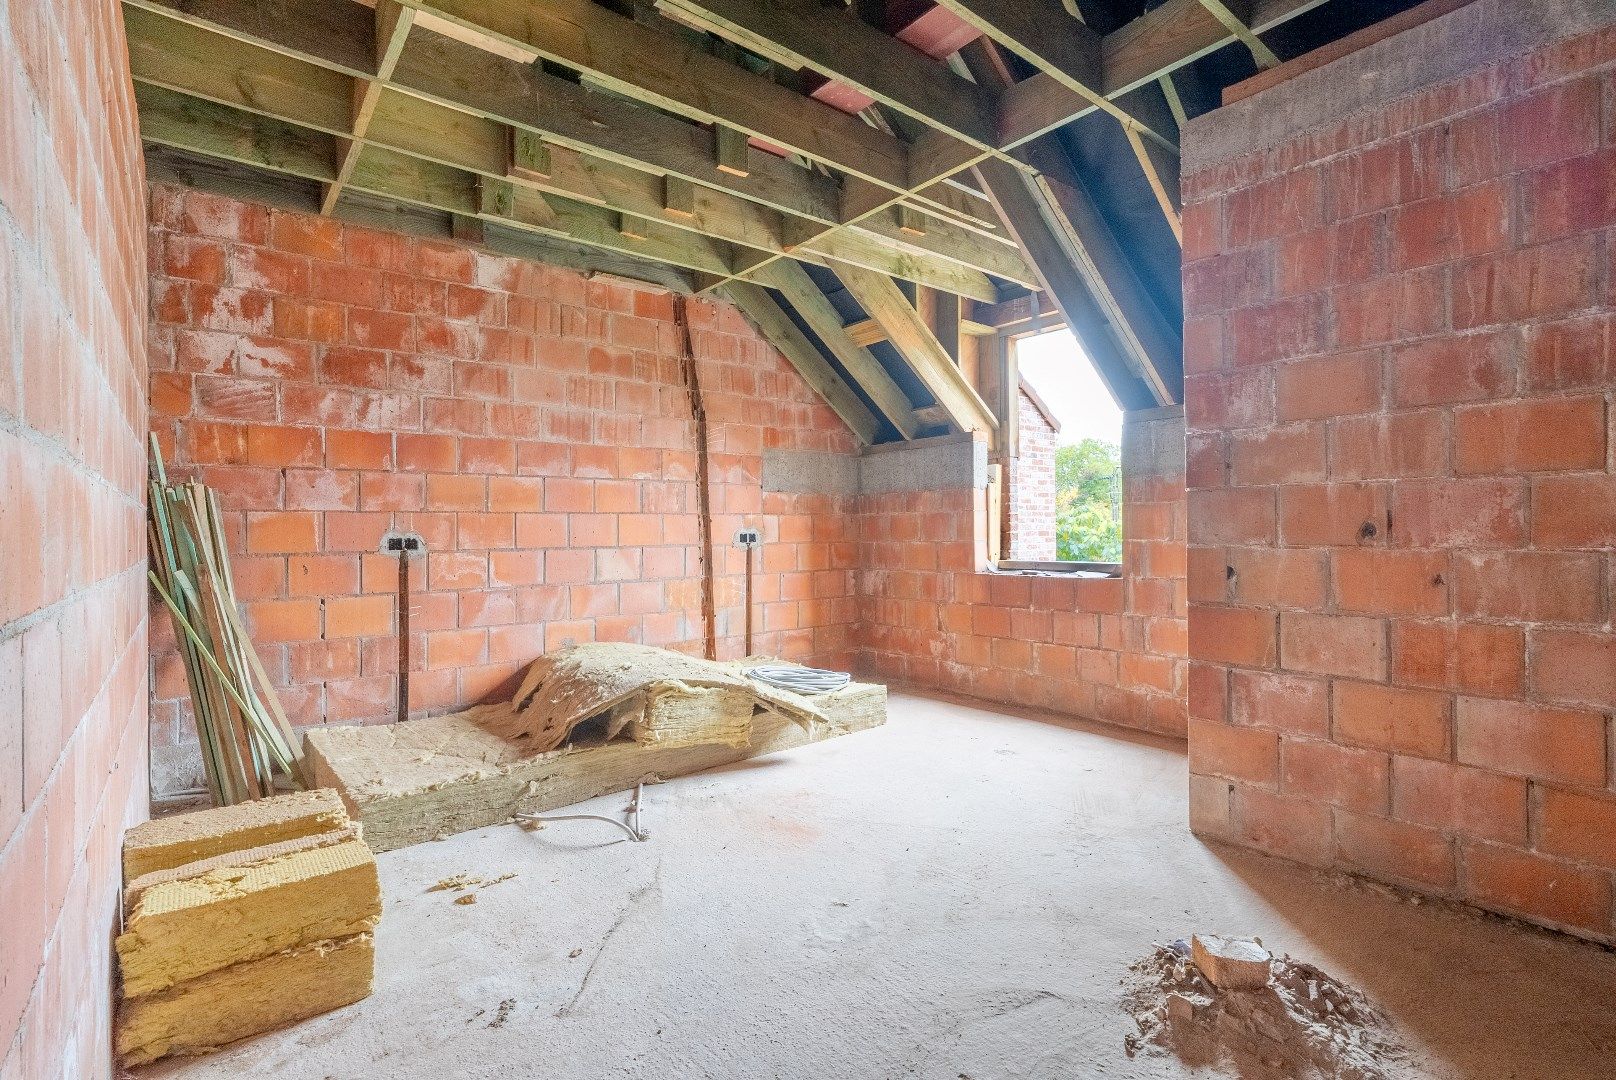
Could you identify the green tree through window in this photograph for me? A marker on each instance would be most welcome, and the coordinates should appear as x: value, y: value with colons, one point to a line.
x: 1088, y: 502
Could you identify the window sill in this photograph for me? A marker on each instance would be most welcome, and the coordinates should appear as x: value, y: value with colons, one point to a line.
x: 1078, y: 569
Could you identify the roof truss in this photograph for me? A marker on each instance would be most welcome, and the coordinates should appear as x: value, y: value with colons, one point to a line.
x: 674, y: 148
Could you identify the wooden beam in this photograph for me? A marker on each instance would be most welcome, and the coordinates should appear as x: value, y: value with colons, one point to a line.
x: 1162, y: 178
x: 181, y: 56
x: 884, y: 302
x: 865, y: 332
x: 822, y: 318
x: 834, y: 41
x: 1043, y: 34
x: 666, y: 71
x: 1235, y: 23
x: 205, y: 127
x: 393, y: 21
x: 171, y: 119
x: 1158, y: 42
x: 774, y: 324
x: 1084, y: 268
x: 1050, y: 253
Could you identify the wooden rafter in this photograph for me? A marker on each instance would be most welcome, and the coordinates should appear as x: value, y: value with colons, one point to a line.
x: 1235, y: 22
x: 1042, y: 33
x: 602, y: 150
x: 393, y: 21
x: 1160, y: 41
x: 884, y: 302
x: 815, y: 309
x: 1084, y: 269
x: 832, y: 40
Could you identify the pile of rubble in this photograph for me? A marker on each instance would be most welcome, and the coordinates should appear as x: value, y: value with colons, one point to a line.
x: 1227, y: 1002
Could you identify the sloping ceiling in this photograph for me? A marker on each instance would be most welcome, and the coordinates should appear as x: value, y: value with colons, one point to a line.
x: 881, y: 185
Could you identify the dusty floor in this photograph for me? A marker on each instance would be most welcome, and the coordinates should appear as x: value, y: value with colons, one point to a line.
x: 955, y: 895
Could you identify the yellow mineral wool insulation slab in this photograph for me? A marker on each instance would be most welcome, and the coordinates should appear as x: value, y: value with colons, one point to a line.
x: 179, y: 930
x: 133, y: 890
x: 185, y: 838
x: 435, y: 776
x: 246, y: 999
x: 680, y: 715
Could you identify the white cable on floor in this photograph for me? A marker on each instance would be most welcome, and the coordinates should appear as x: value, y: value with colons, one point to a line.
x: 800, y: 680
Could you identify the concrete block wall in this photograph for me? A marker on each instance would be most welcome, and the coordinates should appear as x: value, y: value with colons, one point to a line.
x: 1103, y: 649
x: 334, y: 382
x: 1402, y: 501
x: 72, y: 526
x: 1031, y: 487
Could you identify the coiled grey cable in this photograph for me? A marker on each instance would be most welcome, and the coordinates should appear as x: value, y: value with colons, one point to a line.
x: 801, y: 680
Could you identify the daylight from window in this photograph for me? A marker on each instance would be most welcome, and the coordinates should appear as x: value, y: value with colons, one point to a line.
x: 1088, y: 458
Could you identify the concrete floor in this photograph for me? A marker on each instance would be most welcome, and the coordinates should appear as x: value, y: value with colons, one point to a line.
x: 954, y: 895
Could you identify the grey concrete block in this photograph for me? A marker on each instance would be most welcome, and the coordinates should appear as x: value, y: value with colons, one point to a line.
x: 1430, y: 54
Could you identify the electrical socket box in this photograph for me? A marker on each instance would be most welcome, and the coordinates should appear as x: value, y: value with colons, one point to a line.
x: 748, y: 538
x: 398, y: 543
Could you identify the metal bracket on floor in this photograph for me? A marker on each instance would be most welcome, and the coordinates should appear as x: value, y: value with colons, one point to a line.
x: 633, y: 829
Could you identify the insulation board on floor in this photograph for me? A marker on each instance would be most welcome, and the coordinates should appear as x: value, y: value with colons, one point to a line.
x: 441, y: 775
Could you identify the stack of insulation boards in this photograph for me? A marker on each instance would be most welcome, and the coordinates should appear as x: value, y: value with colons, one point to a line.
x: 240, y: 920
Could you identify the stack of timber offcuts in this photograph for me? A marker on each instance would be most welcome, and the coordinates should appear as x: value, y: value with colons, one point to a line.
x: 242, y: 919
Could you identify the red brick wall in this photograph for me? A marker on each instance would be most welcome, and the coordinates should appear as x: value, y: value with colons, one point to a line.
x: 72, y: 526
x: 333, y: 381
x: 1402, y: 505
x: 1032, y: 487
x: 1104, y: 649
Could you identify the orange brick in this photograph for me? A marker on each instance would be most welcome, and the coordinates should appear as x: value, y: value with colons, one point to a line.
x: 567, y: 495
x: 1278, y: 577
x: 1574, y: 511
x: 1294, y: 704
x: 1333, y: 645
x: 1457, y: 798
x: 1389, y: 718
x: 1574, y: 666
x: 283, y: 447
x: 322, y: 575
x: 1332, y: 514
x: 1231, y: 517
x: 1529, y: 740
x: 456, y: 648
x: 1381, y: 582
x: 1537, y: 886
x: 1343, y: 776
x: 358, y: 616
x: 296, y: 531
x: 1328, y: 386
x: 1396, y: 850
x: 487, y: 530
x: 1577, y: 826
x: 1449, y: 369
x: 1535, y: 435
x: 426, y: 453
x: 1211, y: 807
x: 1477, y: 658
x: 1483, y: 513
x: 1242, y: 636
x: 1531, y: 586
x: 284, y: 620
x: 446, y: 491
x: 515, y: 494
x: 1389, y: 446
x: 1239, y: 753
x: 1293, y: 454
x: 1284, y: 825
x: 358, y: 449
